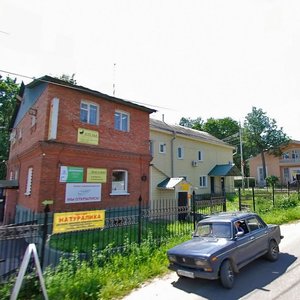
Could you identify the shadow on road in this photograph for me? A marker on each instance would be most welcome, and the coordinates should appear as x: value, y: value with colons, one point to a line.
x: 256, y: 275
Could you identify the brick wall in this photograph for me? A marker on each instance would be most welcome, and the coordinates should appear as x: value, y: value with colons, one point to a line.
x: 116, y: 150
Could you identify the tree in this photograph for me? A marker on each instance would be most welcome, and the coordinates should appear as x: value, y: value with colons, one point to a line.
x: 68, y: 78
x: 221, y: 128
x: 192, y: 123
x: 8, y: 92
x: 261, y: 135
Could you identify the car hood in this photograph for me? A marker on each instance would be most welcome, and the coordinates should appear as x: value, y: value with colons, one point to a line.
x: 200, y: 247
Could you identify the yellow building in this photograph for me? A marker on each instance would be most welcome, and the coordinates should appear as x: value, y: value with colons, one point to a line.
x: 186, y: 161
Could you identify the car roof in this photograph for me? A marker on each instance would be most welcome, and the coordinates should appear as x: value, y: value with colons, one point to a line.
x: 227, y: 217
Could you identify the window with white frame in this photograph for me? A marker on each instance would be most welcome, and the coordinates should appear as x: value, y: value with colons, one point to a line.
x: 89, y: 112
x: 29, y: 181
x: 180, y: 152
x: 200, y: 155
x: 203, y: 181
x: 162, y: 148
x: 119, y: 182
x: 121, y: 121
x: 295, y: 154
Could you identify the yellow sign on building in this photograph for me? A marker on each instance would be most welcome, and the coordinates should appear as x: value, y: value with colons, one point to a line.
x: 86, y: 136
x: 185, y: 187
x: 78, y: 220
x: 96, y: 175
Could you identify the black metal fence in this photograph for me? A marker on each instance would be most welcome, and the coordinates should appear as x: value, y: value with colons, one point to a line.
x: 250, y: 198
x: 122, y: 225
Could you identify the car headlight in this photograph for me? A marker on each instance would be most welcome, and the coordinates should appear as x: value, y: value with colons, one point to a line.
x: 172, y: 258
x: 200, y: 262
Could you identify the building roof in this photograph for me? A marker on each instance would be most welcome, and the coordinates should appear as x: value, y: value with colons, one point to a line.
x: 225, y: 170
x: 170, y: 183
x: 186, y: 131
x: 9, y: 184
x: 51, y: 80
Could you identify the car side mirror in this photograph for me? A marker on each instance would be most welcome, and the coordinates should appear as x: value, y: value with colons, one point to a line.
x: 239, y: 234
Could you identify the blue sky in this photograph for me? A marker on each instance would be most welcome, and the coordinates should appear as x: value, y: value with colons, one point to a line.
x: 210, y: 58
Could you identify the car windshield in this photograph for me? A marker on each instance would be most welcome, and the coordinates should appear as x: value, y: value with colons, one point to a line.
x: 218, y: 230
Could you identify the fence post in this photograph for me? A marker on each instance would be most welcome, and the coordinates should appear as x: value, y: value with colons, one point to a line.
x: 44, y: 237
x: 253, y: 198
x: 140, y: 221
x: 224, y: 202
x: 194, y: 209
x: 273, y: 194
x: 240, y: 200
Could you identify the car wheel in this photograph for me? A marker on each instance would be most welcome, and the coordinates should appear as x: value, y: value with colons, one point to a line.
x: 273, y: 251
x: 227, y: 274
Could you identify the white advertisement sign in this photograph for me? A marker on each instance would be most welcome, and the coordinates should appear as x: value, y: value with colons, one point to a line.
x: 83, y: 192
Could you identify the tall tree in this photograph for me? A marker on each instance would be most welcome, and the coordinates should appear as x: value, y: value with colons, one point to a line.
x: 221, y: 128
x: 8, y: 92
x: 261, y: 135
x: 192, y: 123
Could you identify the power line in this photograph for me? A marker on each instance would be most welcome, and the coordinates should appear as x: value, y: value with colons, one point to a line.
x: 78, y: 88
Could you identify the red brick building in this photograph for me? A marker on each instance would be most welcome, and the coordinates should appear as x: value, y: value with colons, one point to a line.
x: 76, y: 147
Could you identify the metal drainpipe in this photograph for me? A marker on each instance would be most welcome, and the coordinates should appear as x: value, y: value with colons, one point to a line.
x: 172, y: 153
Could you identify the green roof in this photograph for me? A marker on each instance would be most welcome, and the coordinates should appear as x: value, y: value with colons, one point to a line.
x: 225, y: 170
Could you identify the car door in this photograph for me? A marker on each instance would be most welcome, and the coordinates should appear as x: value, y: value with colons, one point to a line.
x: 259, y: 236
x: 243, y: 245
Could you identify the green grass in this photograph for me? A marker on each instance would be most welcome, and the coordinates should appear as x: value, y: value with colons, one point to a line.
x: 107, y: 276
x: 85, y: 241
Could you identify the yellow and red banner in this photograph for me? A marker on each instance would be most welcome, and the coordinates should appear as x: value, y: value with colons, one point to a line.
x: 78, y: 220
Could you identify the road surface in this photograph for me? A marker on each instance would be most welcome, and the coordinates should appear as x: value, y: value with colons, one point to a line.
x: 260, y: 279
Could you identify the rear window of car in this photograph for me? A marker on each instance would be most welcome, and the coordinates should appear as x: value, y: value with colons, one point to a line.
x: 254, y: 224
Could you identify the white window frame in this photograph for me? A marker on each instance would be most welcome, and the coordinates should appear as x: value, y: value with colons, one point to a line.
x: 203, y: 181
x: 119, y: 125
x: 29, y: 181
x: 180, y: 152
x: 162, y: 148
x: 116, y: 186
x: 295, y: 154
x: 200, y: 155
x: 88, y: 110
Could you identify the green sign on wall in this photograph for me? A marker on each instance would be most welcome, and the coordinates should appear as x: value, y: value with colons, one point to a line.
x: 71, y: 174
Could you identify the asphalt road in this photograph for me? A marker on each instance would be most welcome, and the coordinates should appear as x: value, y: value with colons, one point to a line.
x: 259, y: 280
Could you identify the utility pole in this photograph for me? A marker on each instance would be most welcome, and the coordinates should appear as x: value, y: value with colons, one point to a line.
x: 242, y: 160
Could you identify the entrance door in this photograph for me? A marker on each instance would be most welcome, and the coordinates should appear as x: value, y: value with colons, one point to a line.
x: 182, y: 205
x: 212, y: 185
x: 223, y: 184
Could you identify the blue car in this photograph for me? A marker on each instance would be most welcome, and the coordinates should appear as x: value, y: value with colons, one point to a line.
x: 224, y: 243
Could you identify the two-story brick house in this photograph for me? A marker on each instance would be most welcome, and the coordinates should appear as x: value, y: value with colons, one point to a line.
x: 187, y: 160
x: 76, y: 147
x: 285, y: 167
